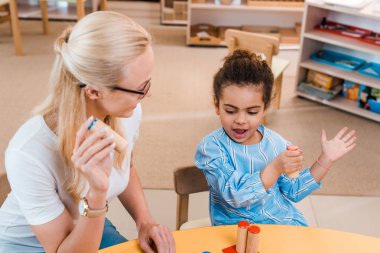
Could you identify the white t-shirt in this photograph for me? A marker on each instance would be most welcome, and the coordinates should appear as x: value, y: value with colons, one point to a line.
x: 36, y: 173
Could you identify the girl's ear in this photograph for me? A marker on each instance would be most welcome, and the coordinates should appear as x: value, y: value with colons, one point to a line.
x: 265, y: 110
x: 216, y: 104
x: 217, y: 110
x: 92, y: 92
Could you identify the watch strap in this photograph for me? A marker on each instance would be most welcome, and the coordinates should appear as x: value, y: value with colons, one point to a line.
x: 92, y: 213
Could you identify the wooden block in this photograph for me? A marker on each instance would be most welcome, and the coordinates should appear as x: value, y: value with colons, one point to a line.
x: 231, y: 249
x: 297, y: 173
x: 253, y: 239
x: 241, y: 237
x: 121, y: 143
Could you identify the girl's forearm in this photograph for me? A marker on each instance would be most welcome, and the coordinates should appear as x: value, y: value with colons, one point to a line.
x: 321, y: 167
x: 269, y: 175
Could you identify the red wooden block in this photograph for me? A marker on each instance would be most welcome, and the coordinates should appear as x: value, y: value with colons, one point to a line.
x: 231, y: 249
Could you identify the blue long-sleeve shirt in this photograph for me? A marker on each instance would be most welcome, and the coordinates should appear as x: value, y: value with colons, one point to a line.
x: 233, y: 170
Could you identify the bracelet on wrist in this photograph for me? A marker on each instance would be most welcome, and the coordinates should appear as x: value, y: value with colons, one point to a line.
x: 320, y: 165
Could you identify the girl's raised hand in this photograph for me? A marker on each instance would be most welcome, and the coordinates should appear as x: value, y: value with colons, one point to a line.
x: 340, y: 145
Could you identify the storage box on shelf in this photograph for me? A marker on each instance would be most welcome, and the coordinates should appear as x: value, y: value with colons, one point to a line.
x: 351, y: 69
x: 285, y: 19
x: 174, y: 12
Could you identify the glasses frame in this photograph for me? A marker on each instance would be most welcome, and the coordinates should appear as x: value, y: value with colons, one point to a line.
x: 141, y: 93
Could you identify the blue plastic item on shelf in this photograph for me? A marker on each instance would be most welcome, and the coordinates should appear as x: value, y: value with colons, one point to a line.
x: 337, y: 59
x: 374, y: 105
x: 370, y: 69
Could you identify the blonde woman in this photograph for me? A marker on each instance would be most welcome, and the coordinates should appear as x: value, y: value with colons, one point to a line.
x: 62, y: 175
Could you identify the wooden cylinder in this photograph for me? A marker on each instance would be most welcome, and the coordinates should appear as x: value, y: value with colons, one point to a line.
x: 253, y: 239
x: 121, y: 143
x: 296, y: 173
x: 241, y: 238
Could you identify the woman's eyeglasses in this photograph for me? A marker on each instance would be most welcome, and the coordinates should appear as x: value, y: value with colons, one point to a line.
x: 142, y: 92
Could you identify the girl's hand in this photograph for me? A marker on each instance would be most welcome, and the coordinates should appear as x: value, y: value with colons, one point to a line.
x: 340, y: 145
x: 288, y: 161
x: 156, y: 238
x: 93, y: 155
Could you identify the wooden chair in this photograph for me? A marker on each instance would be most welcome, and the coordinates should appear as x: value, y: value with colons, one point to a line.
x: 80, y: 10
x: 4, y: 187
x: 188, y: 180
x: 10, y: 7
x: 258, y: 43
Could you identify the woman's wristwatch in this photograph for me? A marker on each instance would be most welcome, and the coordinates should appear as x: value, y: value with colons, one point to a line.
x: 86, y: 211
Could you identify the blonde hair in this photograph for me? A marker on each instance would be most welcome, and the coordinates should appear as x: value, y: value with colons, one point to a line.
x: 94, y: 52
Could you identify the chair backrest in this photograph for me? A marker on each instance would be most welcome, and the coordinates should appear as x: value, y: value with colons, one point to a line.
x: 187, y: 180
x: 255, y: 42
x: 4, y: 186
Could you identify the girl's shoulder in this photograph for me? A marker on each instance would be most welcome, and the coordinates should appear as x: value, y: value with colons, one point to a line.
x: 217, y: 135
x: 272, y: 135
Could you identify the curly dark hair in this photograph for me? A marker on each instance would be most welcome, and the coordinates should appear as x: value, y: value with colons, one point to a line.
x: 244, y: 68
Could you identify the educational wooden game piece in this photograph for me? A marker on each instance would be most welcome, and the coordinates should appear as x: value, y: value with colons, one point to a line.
x: 241, y: 238
x: 231, y: 249
x: 121, y: 143
x: 253, y: 239
x: 296, y: 173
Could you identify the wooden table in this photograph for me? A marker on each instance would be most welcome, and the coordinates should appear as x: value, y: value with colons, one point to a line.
x: 273, y: 239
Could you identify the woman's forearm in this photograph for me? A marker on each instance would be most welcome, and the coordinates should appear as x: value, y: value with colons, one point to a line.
x: 133, y: 199
x: 87, y: 233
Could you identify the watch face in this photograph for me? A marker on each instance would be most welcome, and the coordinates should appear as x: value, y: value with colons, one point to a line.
x: 82, y: 207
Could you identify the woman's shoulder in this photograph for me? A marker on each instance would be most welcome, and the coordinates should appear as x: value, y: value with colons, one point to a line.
x: 33, y: 148
x: 33, y: 131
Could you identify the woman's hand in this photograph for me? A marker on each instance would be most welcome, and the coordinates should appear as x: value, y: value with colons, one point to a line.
x: 340, y: 145
x: 93, y: 155
x: 156, y: 238
x: 288, y: 161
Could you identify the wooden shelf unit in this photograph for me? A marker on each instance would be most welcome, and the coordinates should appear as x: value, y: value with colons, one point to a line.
x: 242, y: 14
x: 313, y: 40
x: 168, y: 4
x: 245, y: 7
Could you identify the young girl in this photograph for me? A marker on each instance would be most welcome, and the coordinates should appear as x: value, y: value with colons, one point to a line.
x: 246, y: 164
x: 62, y: 174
